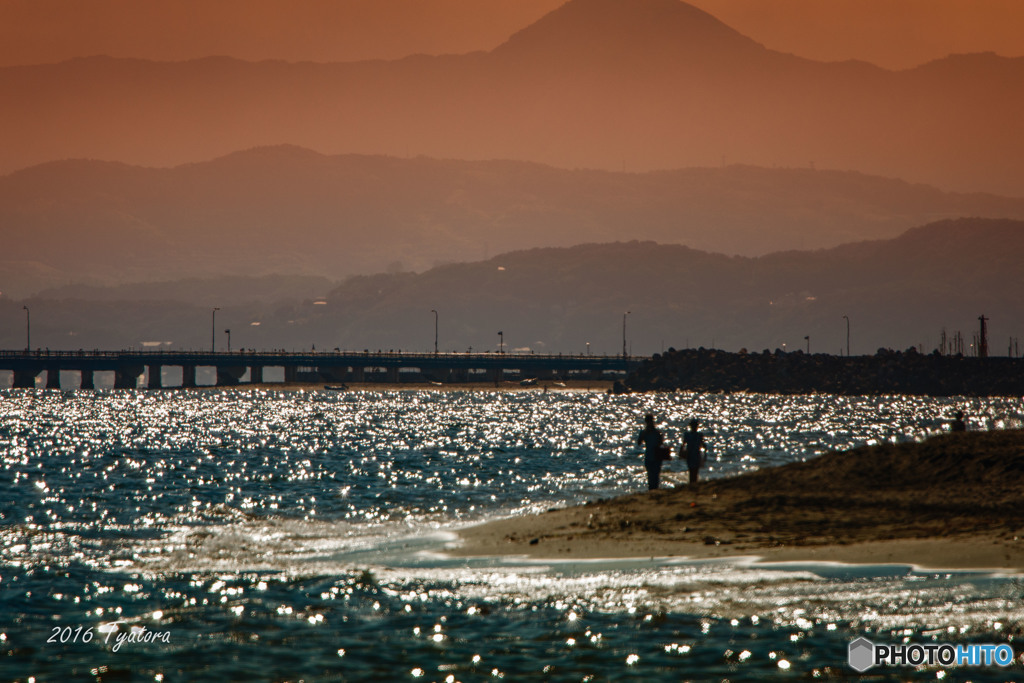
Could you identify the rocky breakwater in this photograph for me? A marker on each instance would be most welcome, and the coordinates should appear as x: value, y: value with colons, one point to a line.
x: 886, y: 372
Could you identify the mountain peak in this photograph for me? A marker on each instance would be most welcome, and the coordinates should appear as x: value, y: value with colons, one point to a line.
x: 627, y: 29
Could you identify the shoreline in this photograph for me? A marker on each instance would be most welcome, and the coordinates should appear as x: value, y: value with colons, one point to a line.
x: 949, y: 503
x: 596, y: 386
x: 988, y: 555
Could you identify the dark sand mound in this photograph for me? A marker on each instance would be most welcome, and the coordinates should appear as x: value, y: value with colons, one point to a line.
x: 950, y: 485
x: 964, y: 487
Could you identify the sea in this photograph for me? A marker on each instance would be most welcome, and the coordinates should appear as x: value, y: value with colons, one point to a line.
x: 269, y: 535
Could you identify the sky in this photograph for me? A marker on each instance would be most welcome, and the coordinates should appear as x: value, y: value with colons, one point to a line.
x: 109, y: 109
x: 895, y: 34
x: 952, y: 129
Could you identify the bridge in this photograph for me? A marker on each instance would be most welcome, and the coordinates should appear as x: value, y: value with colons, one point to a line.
x: 132, y: 369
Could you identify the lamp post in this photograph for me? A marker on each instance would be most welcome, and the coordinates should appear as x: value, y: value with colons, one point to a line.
x: 228, y: 333
x: 588, y: 348
x: 213, y: 328
x: 501, y: 342
x: 624, y: 354
x: 28, y: 329
x: 435, y: 330
x: 808, y: 339
x: 847, y: 319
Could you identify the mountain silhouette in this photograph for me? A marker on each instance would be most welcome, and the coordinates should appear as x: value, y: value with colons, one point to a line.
x: 290, y: 210
x: 617, y: 85
x: 896, y: 293
x: 632, y: 33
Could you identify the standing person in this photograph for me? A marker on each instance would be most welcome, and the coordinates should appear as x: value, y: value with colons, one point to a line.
x: 652, y: 439
x: 695, y: 451
x: 958, y: 424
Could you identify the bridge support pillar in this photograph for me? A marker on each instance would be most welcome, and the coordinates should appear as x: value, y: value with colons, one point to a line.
x: 53, y: 378
x: 255, y: 374
x: 228, y: 377
x: 154, y: 377
x: 188, y: 376
x: 127, y: 376
x: 24, y: 379
x: 358, y: 373
x: 291, y: 374
x: 393, y: 375
x: 88, y: 380
x: 497, y: 374
x: 335, y: 373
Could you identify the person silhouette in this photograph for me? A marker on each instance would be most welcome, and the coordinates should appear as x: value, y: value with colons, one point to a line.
x: 958, y: 424
x: 652, y: 439
x: 694, y: 450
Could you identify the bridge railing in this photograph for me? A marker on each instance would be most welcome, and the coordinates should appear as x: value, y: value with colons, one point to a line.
x: 293, y: 355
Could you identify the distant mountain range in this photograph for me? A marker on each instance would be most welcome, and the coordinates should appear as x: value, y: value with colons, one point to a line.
x: 610, y: 84
x: 293, y: 211
x: 227, y: 290
x: 896, y: 293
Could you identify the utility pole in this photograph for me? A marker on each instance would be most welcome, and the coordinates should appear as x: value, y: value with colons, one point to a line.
x: 435, y: 330
x: 983, y: 338
x: 624, y: 353
x: 847, y: 318
x: 213, y: 330
x: 28, y: 329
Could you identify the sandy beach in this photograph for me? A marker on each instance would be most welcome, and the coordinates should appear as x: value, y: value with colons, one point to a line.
x: 951, y: 502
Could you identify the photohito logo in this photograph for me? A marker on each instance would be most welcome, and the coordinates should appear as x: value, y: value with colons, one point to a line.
x: 863, y: 654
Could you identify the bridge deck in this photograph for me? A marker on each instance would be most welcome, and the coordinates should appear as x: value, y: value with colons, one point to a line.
x: 129, y: 365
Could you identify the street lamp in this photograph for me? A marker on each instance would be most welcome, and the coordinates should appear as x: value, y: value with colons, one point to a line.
x: 624, y: 354
x: 847, y: 319
x: 228, y: 332
x: 501, y: 342
x: 435, y: 330
x: 808, y: 339
x: 213, y: 328
x: 28, y: 329
x: 588, y: 348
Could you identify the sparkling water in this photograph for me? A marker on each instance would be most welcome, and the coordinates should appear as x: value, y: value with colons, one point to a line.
x: 279, y: 535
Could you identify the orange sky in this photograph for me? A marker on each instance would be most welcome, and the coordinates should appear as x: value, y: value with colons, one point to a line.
x: 893, y: 33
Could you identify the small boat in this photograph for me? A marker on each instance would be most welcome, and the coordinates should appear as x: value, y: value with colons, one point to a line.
x: 333, y: 387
